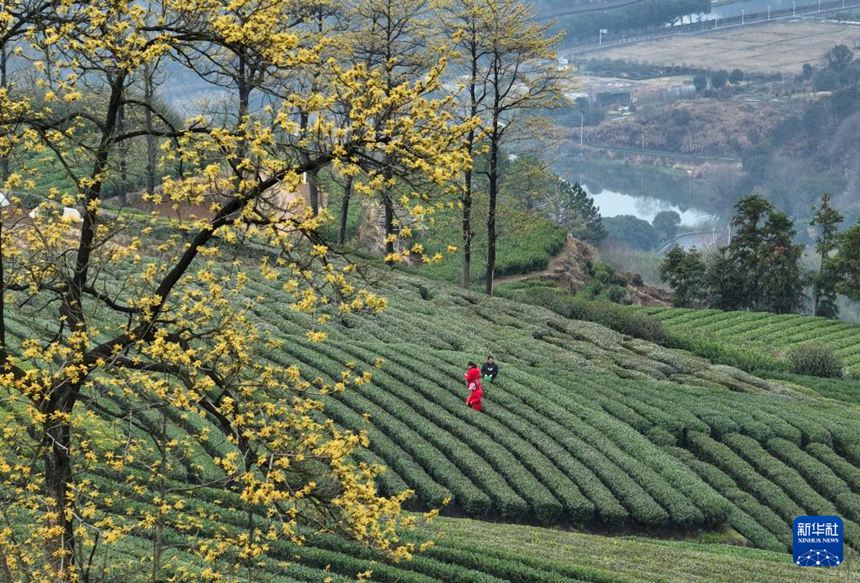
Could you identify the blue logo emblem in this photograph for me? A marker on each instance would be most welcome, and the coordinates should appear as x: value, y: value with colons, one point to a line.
x: 818, y: 541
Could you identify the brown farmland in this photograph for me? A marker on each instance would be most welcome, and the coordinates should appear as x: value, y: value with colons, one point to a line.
x: 781, y: 47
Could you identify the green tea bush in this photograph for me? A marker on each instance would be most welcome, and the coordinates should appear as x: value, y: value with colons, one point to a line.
x: 818, y: 475
x: 816, y: 361
x: 839, y: 465
x: 838, y: 389
x: 724, y: 352
x: 731, y: 334
x: 614, y: 316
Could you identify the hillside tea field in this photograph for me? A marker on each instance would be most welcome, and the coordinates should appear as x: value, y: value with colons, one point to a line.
x: 769, y: 334
x: 584, y: 428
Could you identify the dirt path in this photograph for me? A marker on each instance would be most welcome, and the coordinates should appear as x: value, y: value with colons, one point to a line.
x: 570, y: 269
x: 565, y: 262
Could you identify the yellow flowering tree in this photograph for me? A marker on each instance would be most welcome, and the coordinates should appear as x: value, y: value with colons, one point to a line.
x: 396, y: 40
x: 115, y: 322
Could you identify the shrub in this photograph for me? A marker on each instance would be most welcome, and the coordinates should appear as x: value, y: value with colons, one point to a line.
x: 816, y: 361
x: 616, y: 293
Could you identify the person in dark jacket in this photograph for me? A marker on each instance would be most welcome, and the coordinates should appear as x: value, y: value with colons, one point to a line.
x: 490, y: 369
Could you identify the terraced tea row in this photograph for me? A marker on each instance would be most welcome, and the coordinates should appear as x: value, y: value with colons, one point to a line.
x: 767, y: 333
x: 583, y: 427
x: 463, y: 550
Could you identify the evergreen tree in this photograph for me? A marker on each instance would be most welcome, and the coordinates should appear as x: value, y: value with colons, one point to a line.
x: 667, y: 223
x: 722, y: 282
x: 848, y: 264
x: 827, y: 220
x: 782, y: 282
x: 736, y: 77
x: 685, y: 271
x: 760, y: 268
x: 575, y: 210
x: 744, y: 274
x: 719, y: 79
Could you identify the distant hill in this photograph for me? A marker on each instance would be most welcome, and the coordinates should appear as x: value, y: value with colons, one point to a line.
x: 814, y: 151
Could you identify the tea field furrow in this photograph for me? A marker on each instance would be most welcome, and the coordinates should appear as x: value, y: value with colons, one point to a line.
x: 521, y: 419
x: 745, y: 475
x: 455, y: 423
x: 818, y: 475
x: 543, y: 467
x: 758, y: 523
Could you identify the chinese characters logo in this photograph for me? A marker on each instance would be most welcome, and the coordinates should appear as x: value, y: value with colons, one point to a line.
x: 818, y: 541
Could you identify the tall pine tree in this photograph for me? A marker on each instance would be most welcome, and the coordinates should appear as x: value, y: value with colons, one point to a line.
x: 781, y: 286
x: 827, y: 220
x: 760, y: 268
x: 577, y: 212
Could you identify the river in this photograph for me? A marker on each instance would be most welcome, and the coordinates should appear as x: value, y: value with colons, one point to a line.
x: 613, y: 204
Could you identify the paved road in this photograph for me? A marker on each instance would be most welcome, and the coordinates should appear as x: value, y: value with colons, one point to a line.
x: 663, y: 153
x: 704, y: 27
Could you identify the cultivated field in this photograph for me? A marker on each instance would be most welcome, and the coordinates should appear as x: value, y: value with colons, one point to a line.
x: 771, y: 334
x: 585, y: 427
x: 779, y: 47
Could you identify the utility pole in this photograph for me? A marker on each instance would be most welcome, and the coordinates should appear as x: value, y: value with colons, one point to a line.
x: 794, y: 8
x: 768, y: 11
x: 581, y: 127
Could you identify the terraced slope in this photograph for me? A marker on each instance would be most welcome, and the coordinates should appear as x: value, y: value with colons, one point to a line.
x: 584, y: 427
x: 767, y: 333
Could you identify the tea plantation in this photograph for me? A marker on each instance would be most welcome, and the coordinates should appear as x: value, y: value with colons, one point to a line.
x: 585, y: 428
x: 767, y: 334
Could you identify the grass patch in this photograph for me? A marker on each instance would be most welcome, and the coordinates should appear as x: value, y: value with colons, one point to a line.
x: 526, y: 242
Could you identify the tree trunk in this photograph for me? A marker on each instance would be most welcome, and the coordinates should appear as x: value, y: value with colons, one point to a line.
x: 148, y: 96
x: 158, y: 539
x: 388, y: 203
x: 344, y: 209
x: 4, y: 160
x: 243, y: 89
x: 313, y: 192
x: 466, y: 278
x: 491, y: 213
x: 58, y: 479
x: 313, y: 188
x: 816, y: 298
x: 389, y: 222
x: 122, y: 152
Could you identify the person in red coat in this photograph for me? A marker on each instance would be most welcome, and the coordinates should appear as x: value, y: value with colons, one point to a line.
x: 476, y: 392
